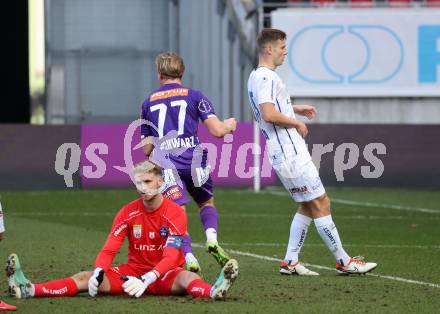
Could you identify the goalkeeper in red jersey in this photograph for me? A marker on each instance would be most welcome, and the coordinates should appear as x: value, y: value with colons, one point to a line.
x: 154, y: 227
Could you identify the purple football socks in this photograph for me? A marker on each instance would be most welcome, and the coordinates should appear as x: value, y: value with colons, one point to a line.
x: 209, y: 217
x: 186, y: 244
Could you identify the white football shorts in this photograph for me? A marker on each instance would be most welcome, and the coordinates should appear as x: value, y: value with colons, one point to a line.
x: 301, y: 181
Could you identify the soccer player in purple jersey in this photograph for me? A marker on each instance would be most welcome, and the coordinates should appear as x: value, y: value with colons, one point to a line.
x: 172, y: 113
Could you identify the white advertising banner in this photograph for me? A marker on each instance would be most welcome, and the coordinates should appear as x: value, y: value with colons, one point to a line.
x: 361, y: 52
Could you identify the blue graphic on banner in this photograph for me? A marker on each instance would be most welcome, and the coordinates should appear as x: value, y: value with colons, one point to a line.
x: 371, y: 55
x: 429, y: 53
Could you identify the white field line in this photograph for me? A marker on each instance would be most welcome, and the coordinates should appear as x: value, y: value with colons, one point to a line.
x: 398, y: 207
x: 415, y: 246
x: 24, y: 214
x: 369, y: 204
x: 87, y: 213
x: 273, y: 259
x: 70, y: 214
x: 384, y: 246
x: 262, y: 257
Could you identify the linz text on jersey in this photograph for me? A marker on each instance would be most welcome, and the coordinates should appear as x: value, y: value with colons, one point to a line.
x: 148, y: 247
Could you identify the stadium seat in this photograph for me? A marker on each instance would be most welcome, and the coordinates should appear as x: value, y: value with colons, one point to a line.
x: 298, y: 3
x: 433, y: 3
x: 322, y: 3
x: 362, y: 3
x: 399, y: 3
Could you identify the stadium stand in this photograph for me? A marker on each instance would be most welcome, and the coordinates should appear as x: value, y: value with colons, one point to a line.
x: 433, y: 3
x: 351, y: 3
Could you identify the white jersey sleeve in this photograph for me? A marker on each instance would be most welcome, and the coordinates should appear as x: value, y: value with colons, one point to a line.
x: 265, y: 87
x: 2, y: 224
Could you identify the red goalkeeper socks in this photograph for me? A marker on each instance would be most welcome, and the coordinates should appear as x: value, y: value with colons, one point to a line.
x: 6, y: 307
x: 57, y: 288
x: 199, y: 289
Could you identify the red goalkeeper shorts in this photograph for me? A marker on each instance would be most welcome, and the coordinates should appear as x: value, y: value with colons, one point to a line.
x: 162, y: 286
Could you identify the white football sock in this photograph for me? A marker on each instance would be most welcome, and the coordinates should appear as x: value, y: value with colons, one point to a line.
x: 329, y: 234
x: 2, y: 225
x: 189, y: 258
x: 298, y: 231
x: 31, y: 290
x: 211, y: 235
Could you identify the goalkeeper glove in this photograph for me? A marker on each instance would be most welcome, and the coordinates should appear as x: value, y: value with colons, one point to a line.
x: 95, y: 281
x: 135, y: 286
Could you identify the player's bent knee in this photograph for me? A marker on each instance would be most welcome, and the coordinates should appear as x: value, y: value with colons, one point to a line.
x: 323, y: 199
x: 182, y: 281
x: 81, y: 279
x: 208, y: 202
x: 304, y: 209
x: 320, y: 204
x: 187, y: 277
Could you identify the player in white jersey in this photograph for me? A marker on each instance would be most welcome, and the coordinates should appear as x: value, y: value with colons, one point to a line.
x: 291, y: 160
x: 2, y: 225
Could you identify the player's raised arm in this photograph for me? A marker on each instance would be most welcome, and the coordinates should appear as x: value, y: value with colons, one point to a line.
x: 270, y: 115
x: 220, y: 128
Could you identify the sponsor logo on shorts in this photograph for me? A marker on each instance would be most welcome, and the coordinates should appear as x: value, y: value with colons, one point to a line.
x: 173, y: 193
x: 137, y: 231
x: 317, y: 184
x: 302, y: 189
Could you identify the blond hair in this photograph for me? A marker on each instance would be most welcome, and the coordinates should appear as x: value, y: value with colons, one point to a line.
x: 147, y: 166
x: 170, y: 65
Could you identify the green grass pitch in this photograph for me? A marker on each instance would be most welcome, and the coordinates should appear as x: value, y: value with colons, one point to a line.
x: 58, y: 233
